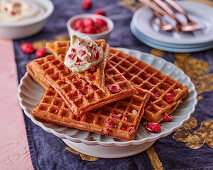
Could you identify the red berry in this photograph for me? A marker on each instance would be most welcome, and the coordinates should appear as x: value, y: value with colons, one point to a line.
x: 117, y: 116
x: 109, y: 124
x: 167, y: 118
x: 77, y: 60
x: 78, y: 24
x: 153, y: 127
x: 100, y: 22
x: 96, y: 55
x: 99, y: 12
x: 82, y: 53
x: 86, y: 4
x: 89, y: 30
x: 27, y: 48
x: 92, y: 69
x: 156, y: 94
x: 114, y: 88
x: 88, y: 22
x: 169, y: 98
x: 41, y: 52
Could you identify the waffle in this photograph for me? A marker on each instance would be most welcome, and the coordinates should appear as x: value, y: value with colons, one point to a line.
x: 78, y: 95
x: 60, y: 48
x: 156, y: 83
x: 118, y: 120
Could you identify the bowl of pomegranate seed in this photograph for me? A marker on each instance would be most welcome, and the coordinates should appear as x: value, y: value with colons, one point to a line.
x: 92, y: 25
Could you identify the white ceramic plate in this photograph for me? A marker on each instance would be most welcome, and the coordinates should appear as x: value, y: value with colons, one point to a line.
x: 145, y: 23
x: 168, y: 47
x: 30, y: 93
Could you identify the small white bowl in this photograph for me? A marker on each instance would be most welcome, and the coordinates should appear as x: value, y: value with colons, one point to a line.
x: 28, y: 28
x: 102, y: 35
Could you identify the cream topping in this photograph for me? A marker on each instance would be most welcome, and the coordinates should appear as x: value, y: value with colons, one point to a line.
x: 16, y: 11
x: 83, y: 54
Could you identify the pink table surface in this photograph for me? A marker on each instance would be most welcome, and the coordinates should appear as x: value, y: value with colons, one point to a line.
x: 14, y: 151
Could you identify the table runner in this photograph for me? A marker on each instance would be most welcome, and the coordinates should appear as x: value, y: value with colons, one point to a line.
x: 48, y: 151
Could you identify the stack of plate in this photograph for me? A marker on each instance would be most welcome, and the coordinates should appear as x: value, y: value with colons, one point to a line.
x: 145, y: 27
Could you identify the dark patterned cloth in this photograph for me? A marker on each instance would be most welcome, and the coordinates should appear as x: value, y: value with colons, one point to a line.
x: 48, y: 151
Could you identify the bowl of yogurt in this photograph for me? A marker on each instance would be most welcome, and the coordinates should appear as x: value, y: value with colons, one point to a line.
x: 23, y: 18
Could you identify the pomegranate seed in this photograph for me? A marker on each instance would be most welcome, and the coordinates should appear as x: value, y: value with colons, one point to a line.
x: 162, y: 106
x: 100, y: 12
x: 169, y: 98
x: 114, y: 88
x: 27, y: 48
x: 92, y: 69
x: 109, y: 124
x: 129, y: 128
x: 100, y: 22
x: 156, y: 94
x: 82, y: 53
x: 71, y: 57
x: 96, y: 56
x: 153, y: 127
x: 167, y: 118
x: 125, y: 119
x: 41, y: 52
x: 87, y: 4
x: 117, y: 116
x: 77, y: 60
x: 56, y: 112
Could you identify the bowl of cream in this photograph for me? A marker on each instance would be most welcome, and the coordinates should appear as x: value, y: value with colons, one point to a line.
x: 23, y: 18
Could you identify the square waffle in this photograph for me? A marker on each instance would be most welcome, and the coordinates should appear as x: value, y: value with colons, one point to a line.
x: 78, y: 95
x: 117, y: 120
x: 148, y: 78
x: 60, y: 48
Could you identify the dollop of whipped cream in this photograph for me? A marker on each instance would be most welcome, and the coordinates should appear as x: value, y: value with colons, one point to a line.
x: 15, y: 11
x: 83, y: 54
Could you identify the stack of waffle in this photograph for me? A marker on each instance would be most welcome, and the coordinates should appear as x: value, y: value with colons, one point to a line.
x: 85, y: 100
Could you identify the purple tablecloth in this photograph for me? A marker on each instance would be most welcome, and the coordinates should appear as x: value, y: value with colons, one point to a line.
x: 48, y: 151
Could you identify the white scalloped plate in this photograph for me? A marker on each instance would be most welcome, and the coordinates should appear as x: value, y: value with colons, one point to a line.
x: 30, y: 93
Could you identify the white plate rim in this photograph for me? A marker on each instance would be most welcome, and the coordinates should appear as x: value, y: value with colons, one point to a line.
x: 115, y: 143
x: 159, y: 37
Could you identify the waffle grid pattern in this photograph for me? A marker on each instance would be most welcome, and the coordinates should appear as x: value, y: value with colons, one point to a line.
x: 80, y: 96
x: 119, y: 119
x: 148, y: 78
